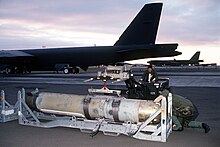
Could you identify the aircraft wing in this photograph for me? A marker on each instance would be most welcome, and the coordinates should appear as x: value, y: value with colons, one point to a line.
x: 13, y: 54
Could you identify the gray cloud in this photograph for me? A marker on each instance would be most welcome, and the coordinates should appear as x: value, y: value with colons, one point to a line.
x: 195, y: 22
x: 84, y: 15
x: 19, y: 18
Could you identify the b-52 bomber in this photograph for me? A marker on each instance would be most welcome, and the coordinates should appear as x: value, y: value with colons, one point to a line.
x: 194, y: 60
x: 136, y: 42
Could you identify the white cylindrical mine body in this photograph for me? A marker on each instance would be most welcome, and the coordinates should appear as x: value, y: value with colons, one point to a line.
x: 63, y: 104
x: 92, y: 107
x: 128, y: 110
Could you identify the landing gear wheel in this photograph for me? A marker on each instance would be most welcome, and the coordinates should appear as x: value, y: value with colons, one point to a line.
x: 66, y: 71
x: 76, y: 70
x: 8, y: 70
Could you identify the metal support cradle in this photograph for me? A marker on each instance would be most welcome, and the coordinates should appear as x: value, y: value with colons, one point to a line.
x: 141, y: 130
x: 8, y: 112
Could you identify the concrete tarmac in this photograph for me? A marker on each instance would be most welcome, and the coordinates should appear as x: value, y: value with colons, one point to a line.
x: 206, y: 98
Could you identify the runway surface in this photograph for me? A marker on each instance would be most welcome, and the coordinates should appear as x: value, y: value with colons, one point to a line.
x: 177, y: 79
x: 204, y: 91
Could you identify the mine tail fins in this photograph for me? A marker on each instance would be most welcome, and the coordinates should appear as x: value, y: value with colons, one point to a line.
x: 195, y: 57
x: 143, y: 29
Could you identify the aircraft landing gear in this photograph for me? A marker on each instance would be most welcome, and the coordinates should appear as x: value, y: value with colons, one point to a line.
x: 75, y: 70
x: 8, y: 70
x: 71, y: 70
x: 66, y: 71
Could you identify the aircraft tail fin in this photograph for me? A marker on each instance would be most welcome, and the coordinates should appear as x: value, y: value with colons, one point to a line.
x: 195, y: 57
x: 143, y: 29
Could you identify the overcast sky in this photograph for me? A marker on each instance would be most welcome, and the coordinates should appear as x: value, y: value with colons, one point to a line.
x: 193, y: 24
